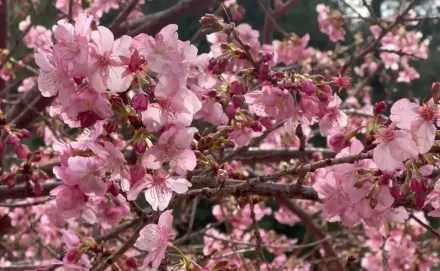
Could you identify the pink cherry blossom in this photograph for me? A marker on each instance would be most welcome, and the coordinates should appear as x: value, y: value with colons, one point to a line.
x: 105, y: 65
x: 154, y: 238
x: 173, y: 146
x: 175, y: 105
x: 418, y: 119
x: 72, y: 41
x: 332, y: 117
x: 158, y: 189
x: 394, y: 147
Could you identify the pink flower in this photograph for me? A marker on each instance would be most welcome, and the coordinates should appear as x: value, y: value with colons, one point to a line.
x: 54, y: 77
x: 333, y: 117
x: 174, y: 146
x: 330, y: 22
x: 27, y: 85
x: 154, y: 238
x: 175, y: 105
x: 72, y: 42
x: 418, y: 119
x: 158, y: 189
x: 114, y: 162
x: 105, y: 66
x: 86, y: 173
x: 276, y: 103
x: 342, y: 82
x: 161, y: 52
x: 89, y: 106
x: 72, y: 203
x: 394, y: 147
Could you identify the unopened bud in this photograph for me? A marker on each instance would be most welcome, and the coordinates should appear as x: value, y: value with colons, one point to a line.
x: 308, y: 87
x: 22, y: 151
x: 140, y: 101
x: 338, y: 142
x: 266, y: 122
x: 236, y: 88
x: 373, y: 203
x: 230, y: 110
x: 379, y: 108
x: 256, y: 126
x: 222, y: 176
x: 236, y: 101
x: 132, y: 263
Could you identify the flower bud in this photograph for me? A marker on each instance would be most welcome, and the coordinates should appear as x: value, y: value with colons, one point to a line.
x: 266, y: 56
x: 236, y: 101
x: 230, y: 110
x: 131, y: 262
x: 137, y: 172
x: 140, y: 145
x: 135, y: 121
x: 373, y: 203
x: 140, y: 101
x: 111, y: 126
x: 395, y: 192
x: 210, y: 20
x: 435, y: 92
x: 308, y: 87
x: 420, y: 200
x: 338, y: 142
x: 88, y: 118
x: 417, y: 186
x: 22, y: 151
x: 379, y: 108
x: 114, y: 190
x: 266, y: 122
x: 218, y: 65
x: 117, y: 103
x: 78, y: 80
x: 38, y: 189
x: 11, y: 140
x: 222, y: 176
x: 71, y: 255
x: 236, y: 88
x: 256, y: 126
x: 23, y: 134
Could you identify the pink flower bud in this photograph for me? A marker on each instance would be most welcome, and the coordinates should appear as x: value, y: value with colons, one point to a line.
x: 23, y: 134
x: 317, y: 156
x: 373, y: 203
x: 111, y: 126
x: 256, y: 126
x: 88, y: 118
x: 266, y: 56
x: 114, y: 190
x: 379, y: 108
x: 218, y: 65
x: 38, y: 189
x: 230, y: 110
x: 338, y: 142
x: 417, y: 186
x: 140, y: 145
x: 132, y: 263
x: 236, y: 88
x: 308, y: 87
x: 71, y: 255
x: 12, y: 140
x: 7, y: 177
x: 236, y: 101
x: 266, y: 122
x: 395, y: 192
x: 22, y: 151
x: 140, y: 101
x: 78, y: 80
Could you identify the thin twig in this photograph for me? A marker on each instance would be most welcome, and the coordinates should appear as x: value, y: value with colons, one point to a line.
x: 426, y: 226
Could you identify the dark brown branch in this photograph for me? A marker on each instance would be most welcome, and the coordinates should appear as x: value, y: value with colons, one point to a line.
x: 258, y: 240
x: 426, y: 226
x: 3, y: 33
